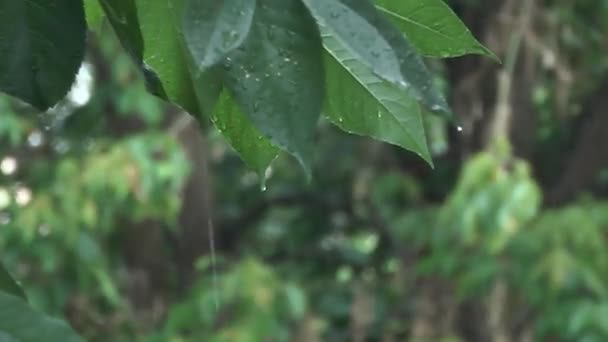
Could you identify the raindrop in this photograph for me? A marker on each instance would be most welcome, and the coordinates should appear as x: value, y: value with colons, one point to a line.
x: 8, y: 165
x: 436, y: 108
x: 44, y: 229
x: 459, y: 128
x: 23, y: 196
x: 265, y: 178
x: 4, y: 219
x: 35, y: 139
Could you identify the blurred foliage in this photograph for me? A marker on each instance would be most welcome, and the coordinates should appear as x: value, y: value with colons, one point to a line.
x: 348, y: 256
x: 69, y: 182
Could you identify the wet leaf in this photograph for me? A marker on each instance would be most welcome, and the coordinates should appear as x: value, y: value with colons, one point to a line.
x: 375, y: 42
x: 362, y: 103
x: 255, y: 149
x: 277, y: 76
x: 164, y: 49
x: 433, y: 28
x: 214, y: 28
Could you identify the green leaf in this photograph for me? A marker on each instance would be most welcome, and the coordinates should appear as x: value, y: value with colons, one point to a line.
x: 214, y: 28
x: 375, y: 42
x: 19, y: 322
x: 277, y: 76
x: 255, y: 149
x: 94, y: 14
x: 433, y: 28
x: 362, y: 103
x: 41, y: 48
x: 123, y: 18
x: 163, y: 49
x: 122, y: 14
x: 8, y: 285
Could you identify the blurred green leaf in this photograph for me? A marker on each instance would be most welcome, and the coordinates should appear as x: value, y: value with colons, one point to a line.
x: 8, y: 285
x: 19, y: 322
x: 39, y: 58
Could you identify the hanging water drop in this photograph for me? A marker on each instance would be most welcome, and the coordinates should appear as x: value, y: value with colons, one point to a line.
x: 265, y: 178
x: 436, y: 108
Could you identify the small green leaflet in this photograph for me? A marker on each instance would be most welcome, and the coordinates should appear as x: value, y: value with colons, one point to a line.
x: 433, y: 28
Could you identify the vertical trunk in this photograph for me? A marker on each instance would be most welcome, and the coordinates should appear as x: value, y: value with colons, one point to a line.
x: 195, y: 218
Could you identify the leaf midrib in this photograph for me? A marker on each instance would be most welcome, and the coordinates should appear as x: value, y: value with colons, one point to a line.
x: 409, y: 20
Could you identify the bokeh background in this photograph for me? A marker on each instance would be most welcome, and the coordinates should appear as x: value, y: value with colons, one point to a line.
x: 127, y: 218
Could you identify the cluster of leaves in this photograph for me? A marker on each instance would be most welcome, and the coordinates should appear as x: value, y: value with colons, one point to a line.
x: 331, y: 239
x: 263, y: 71
x: 492, y: 229
x: 261, y: 303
